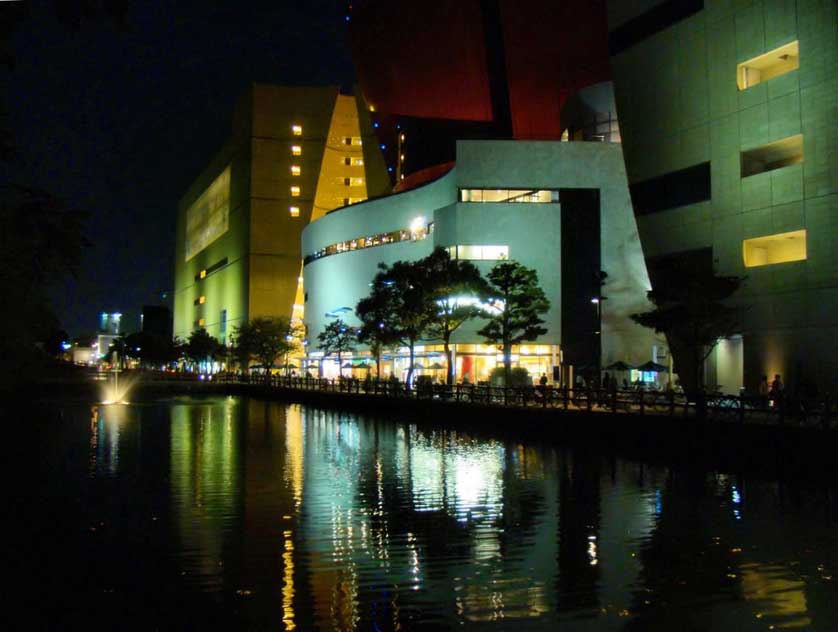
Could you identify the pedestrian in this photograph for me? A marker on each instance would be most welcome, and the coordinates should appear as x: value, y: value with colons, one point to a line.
x: 763, y: 390
x: 776, y: 391
x: 542, y: 385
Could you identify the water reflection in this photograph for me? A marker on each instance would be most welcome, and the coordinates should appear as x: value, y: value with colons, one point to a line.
x: 297, y: 518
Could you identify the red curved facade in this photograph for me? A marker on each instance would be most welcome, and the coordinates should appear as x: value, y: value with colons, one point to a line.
x: 509, y: 61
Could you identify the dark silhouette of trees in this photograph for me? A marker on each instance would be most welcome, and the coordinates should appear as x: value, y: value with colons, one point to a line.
x: 336, y: 339
x: 518, y: 304
x: 201, y: 347
x: 454, y: 289
x: 690, y: 312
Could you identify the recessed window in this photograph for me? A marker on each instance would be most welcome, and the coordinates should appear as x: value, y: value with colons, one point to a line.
x: 347, y: 161
x: 671, y: 190
x: 202, y: 274
x: 201, y: 322
x: 776, y: 155
x: 773, y: 249
x: 347, y: 181
x: 297, y: 130
x: 346, y: 201
x: 296, y: 150
x: 347, y: 140
x: 295, y: 191
x: 295, y: 170
x: 772, y: 64
x: 294, y: 211
x: 202, y: 300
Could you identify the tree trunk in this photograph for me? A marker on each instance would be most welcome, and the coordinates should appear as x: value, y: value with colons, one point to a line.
x: 410, y: 368
x: 449, y: 369
x: 378, y: 367
x: 507, y: 363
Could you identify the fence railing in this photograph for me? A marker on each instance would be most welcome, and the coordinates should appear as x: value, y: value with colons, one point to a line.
x: 786, y: 410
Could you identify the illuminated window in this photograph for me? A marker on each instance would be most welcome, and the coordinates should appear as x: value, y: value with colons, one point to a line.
x: 295, y: 191
x: 295, y: 170
x: 202, y: 300
x: 201, y: 322
x: 357, y: 162
x: 772, y: 64
x: 776, y: 155
x: 294, y: 211
x: 773, y: 249
x: 356, y: 182
x: 296, y: 150
x: 203, y: 274
x: 372, y: 107
x: 537, y: 196
x: 297, y: 130
x: 479, y: 253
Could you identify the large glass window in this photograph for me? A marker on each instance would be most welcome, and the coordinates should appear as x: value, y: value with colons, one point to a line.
x: 207, y: 218
x: 773, y: 249
x: 537, y: 196
x: 479, y: 253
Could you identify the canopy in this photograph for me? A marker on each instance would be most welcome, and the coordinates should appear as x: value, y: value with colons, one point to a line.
x: 417, y: 365
x: 653, y: 366
x: 618, y: 366
x: 363, y: 365
x: 289, y: 366
x: 347, y: 365
x: 436, y: 365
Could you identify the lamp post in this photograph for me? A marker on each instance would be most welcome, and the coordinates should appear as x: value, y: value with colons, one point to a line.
x: 597, y: 301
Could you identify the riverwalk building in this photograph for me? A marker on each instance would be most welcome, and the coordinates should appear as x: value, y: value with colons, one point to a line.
x: 294, y: 154
x: 562, y: 208
x: 728, y: 119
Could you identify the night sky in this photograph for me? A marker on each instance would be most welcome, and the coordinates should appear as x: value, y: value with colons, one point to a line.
x: 118, y: 119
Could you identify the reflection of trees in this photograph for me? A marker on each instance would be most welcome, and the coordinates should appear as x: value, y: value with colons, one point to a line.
x: 687, y: 563
x: 578, y: 530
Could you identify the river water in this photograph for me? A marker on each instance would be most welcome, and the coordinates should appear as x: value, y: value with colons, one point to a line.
x: 188, y: 513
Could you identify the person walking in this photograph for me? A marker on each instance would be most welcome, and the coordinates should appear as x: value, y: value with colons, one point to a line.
x: 763, y: 390
x: 776, y: 391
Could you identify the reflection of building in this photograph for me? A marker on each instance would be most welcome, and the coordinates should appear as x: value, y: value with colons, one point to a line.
x: 561, y: 208
x: 730, y: 140
x: 294, y: 154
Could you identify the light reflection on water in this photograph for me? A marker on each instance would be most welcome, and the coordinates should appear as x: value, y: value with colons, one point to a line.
x: 298, y: 518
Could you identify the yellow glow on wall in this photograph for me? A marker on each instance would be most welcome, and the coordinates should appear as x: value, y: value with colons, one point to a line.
x: 297, y: 130
x: 295, y: 191
x: 296, y: 150
x: 773, y: 249
x: 295, y: 170
x: 294, y: 211
x: 767, y: 66
x: 208, y: 217
x: 202, y: 300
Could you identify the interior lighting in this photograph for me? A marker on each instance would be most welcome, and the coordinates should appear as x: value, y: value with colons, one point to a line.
x: 295, y: 191
x: 203, y: 274
x: 202, y: 300
x: 297, y: 130
x: 296, y: 150
x: 417, y: 225
x: 294, y: 211
x: 295, y: 170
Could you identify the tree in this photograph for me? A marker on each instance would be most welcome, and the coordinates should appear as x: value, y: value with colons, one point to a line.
x: 337, y: 338
x: 399, y: 306
x: 264, y: 339
x: 455, y: 289
x: 201, y: 347
x: 373, y: 312
x: 518, y: 303
x: 690, y: 312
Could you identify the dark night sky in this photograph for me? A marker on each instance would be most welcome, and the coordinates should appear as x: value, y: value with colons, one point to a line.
x: 119, y: 120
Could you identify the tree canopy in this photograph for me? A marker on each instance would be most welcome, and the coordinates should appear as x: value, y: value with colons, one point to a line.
x: 690, y: 311
x: 336, y: 339
x: 265, y: 339
x: 518, y: 303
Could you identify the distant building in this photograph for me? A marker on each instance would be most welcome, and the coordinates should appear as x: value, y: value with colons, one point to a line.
x: 294, y: 154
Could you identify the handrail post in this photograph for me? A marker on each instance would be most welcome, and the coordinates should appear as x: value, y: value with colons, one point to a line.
x: 566, y: 397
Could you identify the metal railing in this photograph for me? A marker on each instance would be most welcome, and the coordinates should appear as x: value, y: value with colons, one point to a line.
x: 787, y: 410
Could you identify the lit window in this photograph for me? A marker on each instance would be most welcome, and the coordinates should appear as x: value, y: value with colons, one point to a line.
x: 201, y: 322
x: 356, y: 182
x: 535, y: 196
x: 295, y: 191
x: 297, y: 130
x: 773, y: 249
x: 296, y: 150
x: 772, y: 64
x: 295, y: 170
x: 294, y: 211
x: 776, y: 155
x: 357, y: 162
x: 202, y: 300
x: 479, y: 253
x: 203, y: 274
x: 372, y: 107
